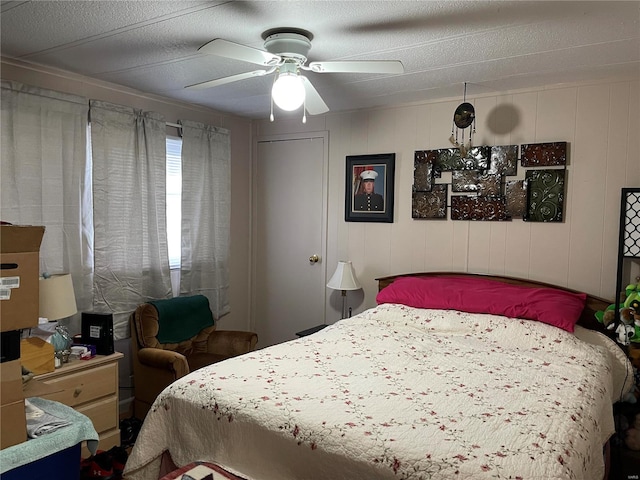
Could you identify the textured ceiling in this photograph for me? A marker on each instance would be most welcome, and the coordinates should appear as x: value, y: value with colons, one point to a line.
x: 493, y: 45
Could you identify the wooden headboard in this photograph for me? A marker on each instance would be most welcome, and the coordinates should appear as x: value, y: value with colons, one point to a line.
x: 587, y: 319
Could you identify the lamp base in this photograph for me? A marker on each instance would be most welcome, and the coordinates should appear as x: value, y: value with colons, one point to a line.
x: 344, y: 304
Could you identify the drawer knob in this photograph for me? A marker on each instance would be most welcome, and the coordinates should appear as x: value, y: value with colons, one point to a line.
x: 77, y: 391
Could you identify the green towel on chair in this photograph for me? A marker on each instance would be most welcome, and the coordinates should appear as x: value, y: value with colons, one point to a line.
x: 182, y: 318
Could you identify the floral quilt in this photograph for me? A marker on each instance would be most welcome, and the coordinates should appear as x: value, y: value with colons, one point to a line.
x: 394, y: 393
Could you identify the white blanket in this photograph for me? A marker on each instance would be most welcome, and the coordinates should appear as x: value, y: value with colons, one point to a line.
x: 397, y: 393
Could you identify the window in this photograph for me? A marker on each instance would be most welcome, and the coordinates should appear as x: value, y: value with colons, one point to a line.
x: 174, y: 199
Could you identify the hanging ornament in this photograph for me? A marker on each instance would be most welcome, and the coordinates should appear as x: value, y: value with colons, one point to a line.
x: 463, y: 117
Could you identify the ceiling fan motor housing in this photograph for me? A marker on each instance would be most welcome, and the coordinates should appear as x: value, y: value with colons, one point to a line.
x: 288, y: 45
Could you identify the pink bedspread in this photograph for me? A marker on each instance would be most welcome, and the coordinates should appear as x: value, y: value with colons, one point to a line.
x: 394, y: 393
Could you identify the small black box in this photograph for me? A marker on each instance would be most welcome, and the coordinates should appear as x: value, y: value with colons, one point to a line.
x: 97, y: 329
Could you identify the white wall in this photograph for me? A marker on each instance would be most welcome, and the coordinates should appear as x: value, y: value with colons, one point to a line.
x: 599, y: 121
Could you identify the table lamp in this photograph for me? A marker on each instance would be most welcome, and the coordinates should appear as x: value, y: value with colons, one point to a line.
x: 344, y: 278
x: 58, y: 301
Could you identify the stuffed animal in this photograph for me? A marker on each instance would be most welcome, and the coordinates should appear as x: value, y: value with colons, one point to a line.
x: 632, y: 291
x: 625, y: 329
x: 607, y: 316
x: 625, y: 333
x: 634, y: 306
x: 628, y: 328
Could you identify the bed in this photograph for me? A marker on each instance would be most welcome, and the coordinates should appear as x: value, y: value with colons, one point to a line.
x: 451, y: 375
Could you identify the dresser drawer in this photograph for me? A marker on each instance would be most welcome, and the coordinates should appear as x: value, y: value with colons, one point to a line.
x: 83, y: 386
x: 103, y: 413
x: 91, y: 387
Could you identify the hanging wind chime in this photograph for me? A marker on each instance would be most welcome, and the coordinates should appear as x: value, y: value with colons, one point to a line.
x: 463, y: 117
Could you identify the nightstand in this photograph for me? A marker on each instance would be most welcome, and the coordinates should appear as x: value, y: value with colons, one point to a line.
x: 91, y: 388
x: 311, y: 330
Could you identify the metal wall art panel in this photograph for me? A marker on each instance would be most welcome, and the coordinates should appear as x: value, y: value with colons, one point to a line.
x: 490, y: 185
x: 504, y: 160
x: 466, y: 207
x: 545, y: 195
x: 423, y: 170
x: 465, y: 181
x: 484, y: 171
x: 431, y: 204
x: 449, y: 159
x: 474, y: 181
x: 544, y: 154
x: 516, y: 197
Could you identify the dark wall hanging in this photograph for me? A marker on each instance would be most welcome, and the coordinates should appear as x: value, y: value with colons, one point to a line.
x: 481, y: 187
x: 463, y: 117
x: 369, y: 188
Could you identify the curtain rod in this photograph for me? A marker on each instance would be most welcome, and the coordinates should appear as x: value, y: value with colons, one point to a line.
x: 177, y: 125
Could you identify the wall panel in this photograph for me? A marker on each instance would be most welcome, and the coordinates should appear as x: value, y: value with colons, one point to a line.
x: 594, y: 118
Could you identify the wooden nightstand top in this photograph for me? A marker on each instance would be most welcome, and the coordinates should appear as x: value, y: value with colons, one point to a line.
x: 78, y: 365
x: 311, y: 330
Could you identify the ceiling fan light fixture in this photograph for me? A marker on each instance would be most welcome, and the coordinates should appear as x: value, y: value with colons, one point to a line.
x: 288, y: 91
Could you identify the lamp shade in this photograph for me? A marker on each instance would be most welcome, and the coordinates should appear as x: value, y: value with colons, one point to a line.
x: 288, y: 91
x: 57, y: 299
x: 344, y: 277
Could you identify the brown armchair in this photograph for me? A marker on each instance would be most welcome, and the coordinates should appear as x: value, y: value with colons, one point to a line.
x: 170, y: 338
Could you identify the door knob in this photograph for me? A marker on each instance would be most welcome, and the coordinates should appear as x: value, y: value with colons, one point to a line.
x: 314, y: 259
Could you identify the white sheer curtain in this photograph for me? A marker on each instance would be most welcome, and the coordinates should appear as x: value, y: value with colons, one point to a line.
x: 44, y: 179
x: 129, y: 163
x: 206, y: 210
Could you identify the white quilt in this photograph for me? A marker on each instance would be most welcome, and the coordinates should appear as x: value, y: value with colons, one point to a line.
x: 394, y: 393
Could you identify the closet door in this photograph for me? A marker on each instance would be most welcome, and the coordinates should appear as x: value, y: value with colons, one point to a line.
x: 289, y: 232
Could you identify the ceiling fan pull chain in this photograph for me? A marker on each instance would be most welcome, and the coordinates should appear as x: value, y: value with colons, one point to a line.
x: 271, y: 100
x: 304, y: 110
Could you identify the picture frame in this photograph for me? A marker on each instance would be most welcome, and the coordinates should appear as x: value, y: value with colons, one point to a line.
x: 369, y: 187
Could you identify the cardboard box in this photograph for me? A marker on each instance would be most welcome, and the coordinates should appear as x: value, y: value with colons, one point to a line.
x: 13, y: 424
x: 19, y: 276
x: 37, y: 355
x: 10, y: 382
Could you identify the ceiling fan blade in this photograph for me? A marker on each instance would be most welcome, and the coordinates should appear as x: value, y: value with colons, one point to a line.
x: 224, y: 48
x: 313, y: 101
x: 358, y: 66
x: 232, y: 78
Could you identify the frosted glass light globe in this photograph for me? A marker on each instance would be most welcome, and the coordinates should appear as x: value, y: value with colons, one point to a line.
x: 288, y: 92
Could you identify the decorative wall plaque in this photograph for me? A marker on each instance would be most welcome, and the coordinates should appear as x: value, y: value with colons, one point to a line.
x: 466, y: 207
x: 449, y: 159
x: 474, y: 181
x: 483, y: 173
x: 545, y: 195
x: 516, y: 195
x: 431, y: 204
x: 423, y: 170
x: 544, y: 154
x: 465, y: 181
x: 504, y: 160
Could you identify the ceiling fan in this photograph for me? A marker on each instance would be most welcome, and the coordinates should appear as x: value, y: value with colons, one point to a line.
x: 285, y: 54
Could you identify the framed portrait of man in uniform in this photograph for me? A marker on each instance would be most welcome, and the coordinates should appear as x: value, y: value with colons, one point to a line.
x: 369, y: 188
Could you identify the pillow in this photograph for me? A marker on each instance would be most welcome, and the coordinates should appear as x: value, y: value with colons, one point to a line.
x: 479, y: 295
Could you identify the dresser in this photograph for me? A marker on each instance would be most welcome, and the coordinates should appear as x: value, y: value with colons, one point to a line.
x: 91, y: 388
